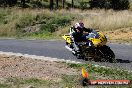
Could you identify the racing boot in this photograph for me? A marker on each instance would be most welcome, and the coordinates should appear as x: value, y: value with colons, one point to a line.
x: 70, y: 49
x: 79, y: 55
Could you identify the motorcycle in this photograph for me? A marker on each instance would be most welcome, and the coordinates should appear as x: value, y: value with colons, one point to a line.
x: 94, y: 48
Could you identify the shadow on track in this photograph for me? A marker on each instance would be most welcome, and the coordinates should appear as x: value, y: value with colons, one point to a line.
x: 116, y: 61
x: 123, y: 61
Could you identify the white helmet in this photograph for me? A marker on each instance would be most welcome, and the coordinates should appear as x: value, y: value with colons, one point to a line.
x: 79, y: 25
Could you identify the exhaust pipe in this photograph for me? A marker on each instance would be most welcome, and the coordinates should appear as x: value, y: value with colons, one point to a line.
x: 67, y: 47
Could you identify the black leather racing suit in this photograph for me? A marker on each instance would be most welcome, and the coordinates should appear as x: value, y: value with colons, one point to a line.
x: 78, y: 36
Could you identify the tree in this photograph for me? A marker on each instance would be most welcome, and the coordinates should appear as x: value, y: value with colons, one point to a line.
x: 23, y: 3
x: 3, y: 2
x: 72, y: 3
x: 63, y: 3
x: 51, y: 4
x: 107, y: 4
x: 120, y: 4
x: 97, y: 3
x: 8, y: 2
x: 57, y: 3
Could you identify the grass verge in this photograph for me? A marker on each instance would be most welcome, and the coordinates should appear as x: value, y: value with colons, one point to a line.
x: 46, y: 24
x: 70, y: 81
x: 22, y: 23
x: 106, y: 72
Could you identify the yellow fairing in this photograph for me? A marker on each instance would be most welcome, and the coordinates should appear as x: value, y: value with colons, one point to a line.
x: 102, y: 40
x: 67, y: 38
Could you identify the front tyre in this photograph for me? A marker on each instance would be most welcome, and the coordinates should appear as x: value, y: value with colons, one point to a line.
x: 108, y: 54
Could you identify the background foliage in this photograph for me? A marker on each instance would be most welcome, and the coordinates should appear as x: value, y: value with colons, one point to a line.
x: 55, y: 4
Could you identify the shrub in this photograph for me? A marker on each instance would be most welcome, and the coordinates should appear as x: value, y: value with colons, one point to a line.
x: 7, y: 2
x: 84, y: 5
x: 57, y: 21
x: 25, y: 21
x: 120, y: 4
x: 107, y: 4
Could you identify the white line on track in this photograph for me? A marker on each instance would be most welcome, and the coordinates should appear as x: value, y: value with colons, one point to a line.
x: 37, y: 57
x: 43, y: 58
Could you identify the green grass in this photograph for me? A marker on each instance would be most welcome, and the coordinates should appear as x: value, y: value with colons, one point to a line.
x: 112, y: 72
x: 94, y: 74
x: 101, y: 72
x: 5, y: 86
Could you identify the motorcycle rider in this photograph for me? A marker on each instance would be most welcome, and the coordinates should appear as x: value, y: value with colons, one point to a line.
x: 78, y: 34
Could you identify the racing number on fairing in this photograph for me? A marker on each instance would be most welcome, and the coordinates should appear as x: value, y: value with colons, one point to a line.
x: 104, y: 39
x: 68, y: 39
x: 101, y: 40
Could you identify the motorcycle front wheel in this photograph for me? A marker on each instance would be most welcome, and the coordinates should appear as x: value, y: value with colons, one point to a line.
x: 107, y: 54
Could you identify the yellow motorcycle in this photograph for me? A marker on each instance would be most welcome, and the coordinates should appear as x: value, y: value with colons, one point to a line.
x: 97, y: 50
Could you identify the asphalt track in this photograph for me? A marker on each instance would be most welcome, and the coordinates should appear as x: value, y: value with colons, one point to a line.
x: 56, y: 49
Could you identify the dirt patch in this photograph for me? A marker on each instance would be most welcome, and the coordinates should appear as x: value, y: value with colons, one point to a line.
x: 12, y: 66
x: 124, y: 34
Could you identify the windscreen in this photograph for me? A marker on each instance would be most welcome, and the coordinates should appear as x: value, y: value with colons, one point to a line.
x: 93, y: 34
